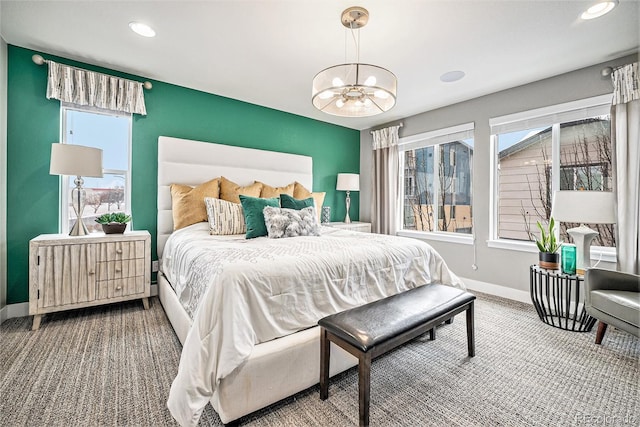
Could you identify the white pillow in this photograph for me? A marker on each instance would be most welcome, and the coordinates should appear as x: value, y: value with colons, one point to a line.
x: 225, y: 218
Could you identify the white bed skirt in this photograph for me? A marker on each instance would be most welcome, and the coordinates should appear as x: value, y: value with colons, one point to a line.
x: 275, y: 370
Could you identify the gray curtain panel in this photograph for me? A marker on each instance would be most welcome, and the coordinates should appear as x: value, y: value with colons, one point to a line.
x: 385, y: 200
x: 625, y: 137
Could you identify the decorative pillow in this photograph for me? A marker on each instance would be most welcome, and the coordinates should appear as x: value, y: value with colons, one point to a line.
x: 282, y: 222
x: 225, y: 218
x: 291, y: 203
x: 300, y: 192
x: 187, y: 203
x: 253, y: 217
x: 269, y: 191
x: 230, y: 191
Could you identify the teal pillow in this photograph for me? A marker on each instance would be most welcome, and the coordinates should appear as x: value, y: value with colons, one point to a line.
x: 253, y: 216
x: 286, y: 201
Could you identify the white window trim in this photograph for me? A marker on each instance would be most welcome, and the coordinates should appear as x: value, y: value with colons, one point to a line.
x: 440, y: 236
x: 453, y: 133
x: 63, y: 224
x: 598, y: 102
x: 548, y: 115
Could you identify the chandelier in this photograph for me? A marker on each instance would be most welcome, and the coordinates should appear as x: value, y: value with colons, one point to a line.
x: 354, y: 89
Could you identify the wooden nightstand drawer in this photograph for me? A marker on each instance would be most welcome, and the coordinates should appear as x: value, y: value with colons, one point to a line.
x: 68, y: 272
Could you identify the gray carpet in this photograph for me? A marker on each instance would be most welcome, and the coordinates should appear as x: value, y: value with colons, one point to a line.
x: 113, y: 365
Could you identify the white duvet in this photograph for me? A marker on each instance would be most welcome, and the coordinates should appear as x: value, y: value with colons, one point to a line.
x: 244, y: 292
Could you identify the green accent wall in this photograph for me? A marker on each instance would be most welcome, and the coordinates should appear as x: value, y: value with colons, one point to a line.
x: 33, y: 124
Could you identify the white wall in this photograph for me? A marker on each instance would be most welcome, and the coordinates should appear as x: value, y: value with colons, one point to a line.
x: 498, y: 266
x: 3, y: 178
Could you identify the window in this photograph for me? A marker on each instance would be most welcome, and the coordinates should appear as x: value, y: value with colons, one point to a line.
x: 566, y: 147
x: 437, y: 169
x: 110, y: 132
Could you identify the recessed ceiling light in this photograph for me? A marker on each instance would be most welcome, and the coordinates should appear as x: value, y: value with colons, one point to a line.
x: 452, y: 76
x: 142, y: 29
x: 599, y: 9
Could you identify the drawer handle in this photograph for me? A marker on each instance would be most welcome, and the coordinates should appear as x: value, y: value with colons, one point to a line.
x: 118, y: 251
x: 92, y: 272
x: 118, y: 288
x: 118, y: 269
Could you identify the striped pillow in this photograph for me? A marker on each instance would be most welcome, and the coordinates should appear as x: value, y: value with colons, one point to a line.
x: 225, y: 218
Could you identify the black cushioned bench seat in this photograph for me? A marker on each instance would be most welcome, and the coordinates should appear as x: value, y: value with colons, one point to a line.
x: 375, y: 328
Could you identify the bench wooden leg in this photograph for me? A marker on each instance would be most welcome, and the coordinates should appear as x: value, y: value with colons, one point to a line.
x: 432, y: 333
x: 471, y: 339
x: 449, y: 321
x: 364, y: 387
x: 325, y: 354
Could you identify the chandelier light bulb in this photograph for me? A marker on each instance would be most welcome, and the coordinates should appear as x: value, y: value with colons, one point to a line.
x: 381, y: 94
x: 337, y: 81
x: 339, y: 103
x: 371, y: 81
x: 326, y: 94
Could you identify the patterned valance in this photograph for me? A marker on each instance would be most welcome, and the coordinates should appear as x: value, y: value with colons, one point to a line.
x: 83, y: 87
x: 626, y: 84
x: 386, y: 137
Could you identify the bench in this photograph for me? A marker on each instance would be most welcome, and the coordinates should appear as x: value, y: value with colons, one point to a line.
x: 375, y: 328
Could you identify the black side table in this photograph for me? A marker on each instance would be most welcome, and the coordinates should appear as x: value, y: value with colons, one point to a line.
x: 559, y: 300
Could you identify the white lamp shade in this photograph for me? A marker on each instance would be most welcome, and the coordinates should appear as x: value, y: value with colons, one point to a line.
x: 348, y: 182
x: 587, y: 207
x: 75, y: 160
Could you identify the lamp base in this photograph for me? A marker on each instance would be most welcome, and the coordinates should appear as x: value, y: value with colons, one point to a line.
x: 582, y: 237
x: 79, y: 229
x: 347, y: 220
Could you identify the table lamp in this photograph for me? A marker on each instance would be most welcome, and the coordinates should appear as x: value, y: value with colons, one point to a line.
x: 590, y: 207
x: 348, y: 182
x: 78, y: 161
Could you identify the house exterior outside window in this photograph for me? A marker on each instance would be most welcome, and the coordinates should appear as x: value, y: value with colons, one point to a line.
x: 437, y: 171
x: 569, y: 153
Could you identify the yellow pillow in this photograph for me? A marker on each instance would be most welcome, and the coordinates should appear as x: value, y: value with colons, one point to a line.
x: 230, y: 191
x: 268, y: 191
x: 300, y: 192
x: 187, y: 203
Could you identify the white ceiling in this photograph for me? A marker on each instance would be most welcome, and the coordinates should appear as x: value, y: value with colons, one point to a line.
x: 267, y: 52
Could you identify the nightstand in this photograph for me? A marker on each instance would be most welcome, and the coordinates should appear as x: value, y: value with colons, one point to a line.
x: 67, y: 272
x: 363, y: 227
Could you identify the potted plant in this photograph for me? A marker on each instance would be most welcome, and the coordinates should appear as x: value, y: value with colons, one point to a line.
x: 548, y: 247
x: 114, y: 222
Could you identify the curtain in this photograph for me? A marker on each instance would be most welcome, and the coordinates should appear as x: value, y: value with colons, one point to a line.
x: 83, y: 87
x: 385, y: 202
x: 625, y: 138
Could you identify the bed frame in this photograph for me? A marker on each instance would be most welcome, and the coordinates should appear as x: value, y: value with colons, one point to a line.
x: 278, y: 368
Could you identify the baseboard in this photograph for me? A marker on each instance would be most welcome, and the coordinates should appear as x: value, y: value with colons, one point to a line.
x: 22, y: 309
x: 497, y: 290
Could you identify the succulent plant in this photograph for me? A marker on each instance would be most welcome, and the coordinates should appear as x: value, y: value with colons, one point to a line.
x: 108, y: 218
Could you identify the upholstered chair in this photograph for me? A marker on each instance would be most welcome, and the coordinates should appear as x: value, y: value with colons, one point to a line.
x: 613, y: 298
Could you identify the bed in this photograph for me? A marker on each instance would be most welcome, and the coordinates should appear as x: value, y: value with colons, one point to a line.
x: 250, y: 339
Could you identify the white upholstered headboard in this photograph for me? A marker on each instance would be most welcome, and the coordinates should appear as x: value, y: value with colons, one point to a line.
x: 182, y: 161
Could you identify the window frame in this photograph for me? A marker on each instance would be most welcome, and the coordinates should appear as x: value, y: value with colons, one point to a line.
x: 65, y: 193
x: 546, y: 116
x: 433, y: 139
